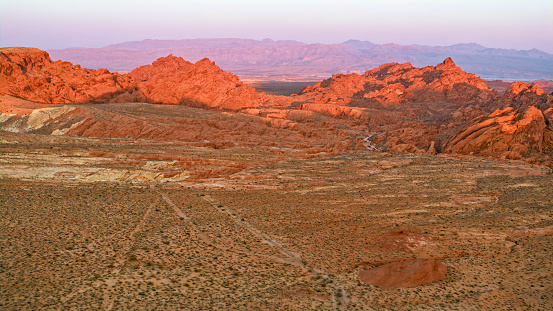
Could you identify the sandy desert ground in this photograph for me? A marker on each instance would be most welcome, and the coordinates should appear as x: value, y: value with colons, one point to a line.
x: 103, y: 224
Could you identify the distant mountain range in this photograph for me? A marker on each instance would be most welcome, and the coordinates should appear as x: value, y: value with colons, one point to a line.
x: 293, y: 60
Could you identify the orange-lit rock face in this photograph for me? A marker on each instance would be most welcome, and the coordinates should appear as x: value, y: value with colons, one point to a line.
x: 519, y: 87
x: 173, y: 80
x: 522, y: 95
x: 30, y: 74
x: 522, y: 130
x: 412, y: 272
x: 394, y: 83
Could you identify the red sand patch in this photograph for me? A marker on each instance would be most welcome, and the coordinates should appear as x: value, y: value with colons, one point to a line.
x: 412, y: 272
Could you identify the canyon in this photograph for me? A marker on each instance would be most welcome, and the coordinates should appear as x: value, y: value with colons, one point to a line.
x: 179, y: 186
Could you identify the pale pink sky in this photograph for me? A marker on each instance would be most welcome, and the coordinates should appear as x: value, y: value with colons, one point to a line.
x: 57, y: 24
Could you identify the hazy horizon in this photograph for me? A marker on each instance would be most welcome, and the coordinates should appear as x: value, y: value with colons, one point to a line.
x: 229, y: 38
x: 49, y: 24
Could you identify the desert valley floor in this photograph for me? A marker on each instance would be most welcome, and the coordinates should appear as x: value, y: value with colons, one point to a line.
x: 176, y: 186
x: 122, y: 224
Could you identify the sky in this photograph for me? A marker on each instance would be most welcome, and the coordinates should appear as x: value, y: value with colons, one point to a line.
x: 58, y: 24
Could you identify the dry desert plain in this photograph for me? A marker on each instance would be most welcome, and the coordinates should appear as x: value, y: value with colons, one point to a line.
x: 123, y: 224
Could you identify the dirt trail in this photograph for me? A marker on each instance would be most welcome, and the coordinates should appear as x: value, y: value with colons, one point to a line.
x: 290, y: 256
x: 183, y: 216
x: 119, y: 258
x: 339, y: 296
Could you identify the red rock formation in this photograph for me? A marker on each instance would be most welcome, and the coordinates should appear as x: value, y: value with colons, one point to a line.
x: 334, y: 110
x: 173, y: 80
x: 521, y: 95
x: 405, y: 109
x: 546, y: 85
x: 30, y: 74
x: 417, y: 109
x: 412, y: 272
x: 502, y: 86
x: 297, y: 132
x: 395, y: 83
x: 523, y: 129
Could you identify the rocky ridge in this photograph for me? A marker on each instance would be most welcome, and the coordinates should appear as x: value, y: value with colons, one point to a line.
x: 394, y: 83
x: 273, y: 60
x: 30, y: 74
x: 395, y: 107
x: 172, y: 80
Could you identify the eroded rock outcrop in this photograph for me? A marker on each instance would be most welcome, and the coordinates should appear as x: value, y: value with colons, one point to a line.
x: 395, y: 83
x: 522, y: 95
x: 30, y: 74
x: 297, y: 132
x: 546, y: 85
x: 173, y: 80
x: 522, y: 128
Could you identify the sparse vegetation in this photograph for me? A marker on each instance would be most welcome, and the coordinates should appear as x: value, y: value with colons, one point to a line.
x: 76, y: 245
